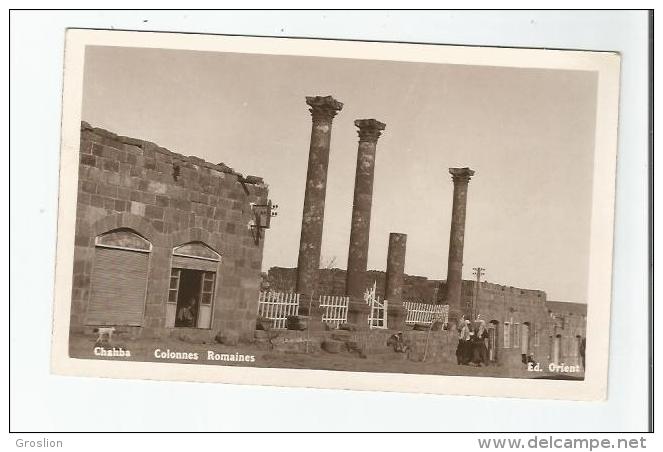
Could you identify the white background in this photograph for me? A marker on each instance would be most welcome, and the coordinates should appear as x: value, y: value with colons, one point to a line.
x: 42, y: 402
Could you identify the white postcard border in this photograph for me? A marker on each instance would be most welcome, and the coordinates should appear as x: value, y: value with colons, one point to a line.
x: 594, y: 386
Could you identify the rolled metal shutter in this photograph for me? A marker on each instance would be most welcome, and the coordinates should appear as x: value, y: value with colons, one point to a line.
x: 119, y: 280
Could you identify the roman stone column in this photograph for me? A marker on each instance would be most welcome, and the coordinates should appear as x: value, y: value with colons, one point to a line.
x: 394, y: 284
x: 461, y: 178
x: 323, y: 110
x: 369, y: 132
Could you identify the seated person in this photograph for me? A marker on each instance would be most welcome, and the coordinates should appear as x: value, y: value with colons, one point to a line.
x: 397, y: 342
x: 186, y: 316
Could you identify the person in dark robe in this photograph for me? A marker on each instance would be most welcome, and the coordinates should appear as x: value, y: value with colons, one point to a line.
x: 480, y: 345
x: 464, y: 348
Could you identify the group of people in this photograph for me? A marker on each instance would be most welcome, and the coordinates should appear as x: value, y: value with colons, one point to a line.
x: 472, y: 343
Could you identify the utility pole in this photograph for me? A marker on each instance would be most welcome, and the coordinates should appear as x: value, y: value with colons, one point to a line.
x: 478, y: 272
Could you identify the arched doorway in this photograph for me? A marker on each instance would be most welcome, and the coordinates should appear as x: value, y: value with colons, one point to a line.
x: 193, y: 279
x: 557, y: 349
x: 492, y: 340
x: 525, y: 340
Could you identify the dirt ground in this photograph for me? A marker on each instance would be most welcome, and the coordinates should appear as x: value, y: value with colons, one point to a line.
x: 82, y: 346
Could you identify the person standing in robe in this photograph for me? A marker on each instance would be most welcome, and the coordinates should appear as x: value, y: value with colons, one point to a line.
x: 464, y: 349
x: 480, y: 344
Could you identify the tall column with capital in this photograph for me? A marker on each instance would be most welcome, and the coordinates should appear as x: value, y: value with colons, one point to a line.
x: 461, y: 178
x: 323, y: 110
x: 369, y: 132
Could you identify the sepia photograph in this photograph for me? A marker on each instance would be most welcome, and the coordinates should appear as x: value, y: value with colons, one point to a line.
x: 403, y: 217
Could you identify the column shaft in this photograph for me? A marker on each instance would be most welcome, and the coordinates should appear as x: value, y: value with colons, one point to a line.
x: 396, y: 311
x: 395, y: 267
x: 461, y: 178
x: 323, y: 110
x: 369, y: 132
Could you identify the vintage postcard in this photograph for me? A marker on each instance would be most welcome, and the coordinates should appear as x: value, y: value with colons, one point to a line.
x: 335, y: 214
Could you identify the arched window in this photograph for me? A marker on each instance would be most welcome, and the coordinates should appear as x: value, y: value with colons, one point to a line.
x: 119, y: 278
x: 516, y: 335
x: 192, y: 286
x: 492, y: 340
x: 536, y: 335
x: 525, y: 335
x: 507, y: 335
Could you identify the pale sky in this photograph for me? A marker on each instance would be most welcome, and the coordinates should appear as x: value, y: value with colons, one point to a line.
x: 528, y: 134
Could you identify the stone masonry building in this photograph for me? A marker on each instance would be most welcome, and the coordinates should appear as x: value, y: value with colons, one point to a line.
x: 520, y: 321
x: 164, y: 242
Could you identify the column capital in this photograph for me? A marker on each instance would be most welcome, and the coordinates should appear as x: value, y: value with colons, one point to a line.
x: 369, y: 129
x: 323, y: 108
x: 461, y: 175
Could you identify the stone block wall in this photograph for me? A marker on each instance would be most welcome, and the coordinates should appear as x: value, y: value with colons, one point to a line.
x: 499, y: 304
x: 331, y: 281
x: 170, y: 200
x: 441, y: 344
x: 570, y: 324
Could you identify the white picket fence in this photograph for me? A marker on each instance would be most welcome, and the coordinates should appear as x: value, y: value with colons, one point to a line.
x: 277, y: 307
x: 335, y: 309
x: 425, y: 313
x: 378, y: 315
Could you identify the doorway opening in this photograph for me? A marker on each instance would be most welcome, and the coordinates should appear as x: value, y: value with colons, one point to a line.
x: 188, y: 298
x: 557, y: 349
x: 524, y: 343
x: 492, y: 340
x: 191, y: 294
